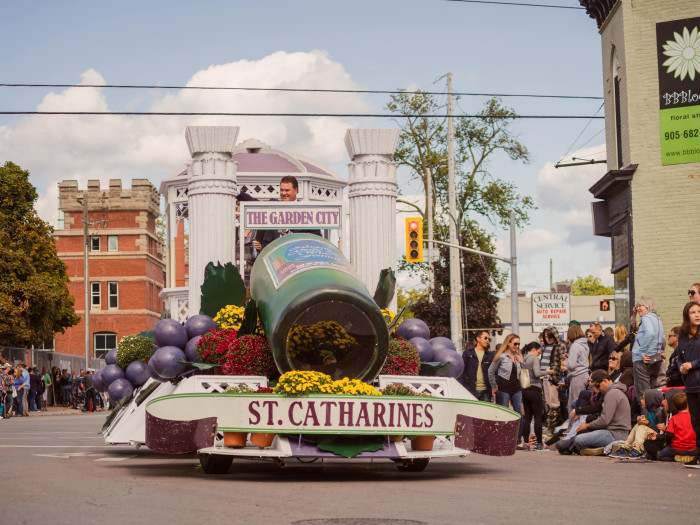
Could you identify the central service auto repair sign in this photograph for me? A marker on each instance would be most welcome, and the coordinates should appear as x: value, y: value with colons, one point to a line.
x: 551, y: 309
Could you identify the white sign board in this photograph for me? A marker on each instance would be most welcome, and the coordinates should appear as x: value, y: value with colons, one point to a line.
x: 551, y: 309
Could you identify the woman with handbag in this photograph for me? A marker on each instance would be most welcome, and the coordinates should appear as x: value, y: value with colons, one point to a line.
x: 504, y: 377
x: 576, y: 364
x: 533, y: 403
x: 648, y: 345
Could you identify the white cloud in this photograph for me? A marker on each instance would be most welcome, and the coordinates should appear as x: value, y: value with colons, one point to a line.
x: 536, y: 240
x: 55, y: 148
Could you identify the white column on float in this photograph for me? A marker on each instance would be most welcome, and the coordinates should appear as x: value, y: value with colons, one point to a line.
x: 372, y: 198
x: 211, y: 197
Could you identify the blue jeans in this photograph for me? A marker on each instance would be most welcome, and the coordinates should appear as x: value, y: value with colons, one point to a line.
x: 20, y: 401
x: 595, y: 439
x: 505, y: 399
x: 483, y: 395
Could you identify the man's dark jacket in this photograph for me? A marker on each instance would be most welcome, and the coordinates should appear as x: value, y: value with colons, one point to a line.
x: 471, y: 362
x: 600, y: 351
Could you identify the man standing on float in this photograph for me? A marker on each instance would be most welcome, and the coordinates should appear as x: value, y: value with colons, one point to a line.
x: 289, y: 187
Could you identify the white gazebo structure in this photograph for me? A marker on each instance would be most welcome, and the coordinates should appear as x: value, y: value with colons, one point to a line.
x: 203, y: 192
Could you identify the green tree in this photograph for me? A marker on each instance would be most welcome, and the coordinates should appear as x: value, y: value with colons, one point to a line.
x: 34, y: 299
x: 422, y: 148
x: 589, y: 285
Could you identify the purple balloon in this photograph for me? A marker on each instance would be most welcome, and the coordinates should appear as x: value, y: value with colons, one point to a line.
x: 111, y: 373
x: 191, y: 349
x: 165, y: 361
x: 199, y: 325
x: 137, y: 373
x: 111, y: 357
x: 442, y: 342
x: 411, y: 328
x: 153, y: 374
x: 445, y: 355
x: 168, y: 332
x: 119, y: 389
x: 425, y: 349
x: 97, y: 381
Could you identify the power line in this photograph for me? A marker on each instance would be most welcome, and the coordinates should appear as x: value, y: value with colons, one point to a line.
x: 300, y: 90
x: 224, y: 114
x: 515, y: 3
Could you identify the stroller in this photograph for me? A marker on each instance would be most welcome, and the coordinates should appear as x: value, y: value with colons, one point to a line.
x: 77, y: 394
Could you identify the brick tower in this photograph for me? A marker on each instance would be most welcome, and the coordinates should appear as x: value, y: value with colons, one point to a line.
x: 125, y: 262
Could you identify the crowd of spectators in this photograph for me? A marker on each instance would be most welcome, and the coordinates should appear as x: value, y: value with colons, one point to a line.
x: 24, y: 389
x: 600, y: 392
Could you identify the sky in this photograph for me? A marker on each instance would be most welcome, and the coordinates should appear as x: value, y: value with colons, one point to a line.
x: 360, y: 45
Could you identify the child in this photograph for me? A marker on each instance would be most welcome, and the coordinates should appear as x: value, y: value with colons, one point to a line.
x: 647, y: 423
x: 680, y: 436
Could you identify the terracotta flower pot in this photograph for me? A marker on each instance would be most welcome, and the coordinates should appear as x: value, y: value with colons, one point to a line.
x: 262, y: 439
x: 422, y: 442
x: 395, y: 439
x: 235, y: 439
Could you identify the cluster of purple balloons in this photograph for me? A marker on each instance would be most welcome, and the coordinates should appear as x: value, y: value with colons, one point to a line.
x: 437, y: 349
x: 173, y: 342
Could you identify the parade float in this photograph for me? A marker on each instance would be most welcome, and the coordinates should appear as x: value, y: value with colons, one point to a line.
x: 312, y: 366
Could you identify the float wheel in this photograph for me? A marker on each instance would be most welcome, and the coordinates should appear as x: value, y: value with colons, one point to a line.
x: 215, y: 463
x: 413, y: 465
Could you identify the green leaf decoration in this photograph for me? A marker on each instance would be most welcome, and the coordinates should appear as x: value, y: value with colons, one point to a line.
x: 397, y: 319
x: 200, y: 366
x: 118, y: 407
x: 385, y: 288
x: 434, y: 369
x: 348, y: 446
x: 222, y: 286
x: 250, y: 319
x: 143, y: 395
x: 148, y: 334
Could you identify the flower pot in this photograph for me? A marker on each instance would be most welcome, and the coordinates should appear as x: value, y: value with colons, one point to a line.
x: 235, y: 439
x: 395, y: 439
x: 215, y: 371
x: 262, y: 439
x: 422, y: 442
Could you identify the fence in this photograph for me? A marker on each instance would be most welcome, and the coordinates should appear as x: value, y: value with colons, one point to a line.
x: 43, y: 358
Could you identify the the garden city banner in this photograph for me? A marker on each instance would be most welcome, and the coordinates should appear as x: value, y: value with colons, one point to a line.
x: 678, y: 54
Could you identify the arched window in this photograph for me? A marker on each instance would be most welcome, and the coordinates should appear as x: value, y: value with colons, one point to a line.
x: 619, y: 163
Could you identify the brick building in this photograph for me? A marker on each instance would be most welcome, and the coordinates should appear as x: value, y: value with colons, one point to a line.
x: 126, y: 268
x: 646, y: 199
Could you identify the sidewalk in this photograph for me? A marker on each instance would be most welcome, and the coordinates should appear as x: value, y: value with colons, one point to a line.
x: 60, y: 411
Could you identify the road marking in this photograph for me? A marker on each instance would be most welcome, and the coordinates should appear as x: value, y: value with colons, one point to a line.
x: 115, y: 459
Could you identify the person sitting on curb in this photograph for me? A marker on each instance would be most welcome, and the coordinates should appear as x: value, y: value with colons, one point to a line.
x: 613, y: 424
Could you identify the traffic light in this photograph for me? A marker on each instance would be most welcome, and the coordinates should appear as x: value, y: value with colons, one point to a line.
x: 605, y: 305
x: 414, y: 239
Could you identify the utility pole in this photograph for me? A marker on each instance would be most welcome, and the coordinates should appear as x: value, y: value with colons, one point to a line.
x: 429, y: 209
x: 86, y: 274
x: 455, y: 274
x: 514, y: 314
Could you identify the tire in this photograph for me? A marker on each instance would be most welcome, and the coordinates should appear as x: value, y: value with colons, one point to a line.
x: 214, y: 463
x: 413, y: 465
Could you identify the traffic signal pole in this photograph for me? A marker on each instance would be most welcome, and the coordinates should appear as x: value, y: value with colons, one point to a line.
x: 512, y: 260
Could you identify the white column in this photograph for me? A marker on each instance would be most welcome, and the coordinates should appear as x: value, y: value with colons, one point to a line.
x: 211, y: 197
x: 372, y: 196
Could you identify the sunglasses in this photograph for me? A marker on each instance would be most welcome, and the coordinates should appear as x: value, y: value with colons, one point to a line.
x: 672, y: 335
x: 589, y: 336
x: 516, y: 344
x: 691, y: 292
x: 612, y: 358
x: 486, y: 338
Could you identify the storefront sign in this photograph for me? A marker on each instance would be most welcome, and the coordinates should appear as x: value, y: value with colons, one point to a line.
x: 678, y: 54
x: 551, y: 309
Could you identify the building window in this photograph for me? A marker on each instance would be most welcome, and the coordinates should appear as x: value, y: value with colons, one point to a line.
x: 112, y: 243
x: 103, y: 342
x: 621, y: 282
x: 113, y: 295
x: 48, y: 345
x: 617, y: 114
x: 95, y: 295
x: 94, y: 244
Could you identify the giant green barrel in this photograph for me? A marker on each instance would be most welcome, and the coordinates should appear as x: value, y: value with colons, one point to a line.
x: 317, y: 315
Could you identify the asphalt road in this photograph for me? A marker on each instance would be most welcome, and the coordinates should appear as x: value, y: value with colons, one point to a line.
x: 58, y: 469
